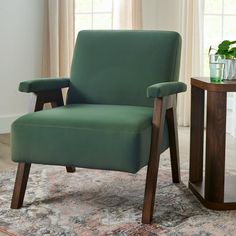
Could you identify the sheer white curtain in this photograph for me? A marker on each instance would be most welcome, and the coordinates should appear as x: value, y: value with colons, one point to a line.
x: 191, y: 29
x: 185, y: 17
x: 58, y: 37
x: 127, y: 14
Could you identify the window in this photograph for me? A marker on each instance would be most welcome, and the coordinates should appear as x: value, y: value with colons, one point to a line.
x: 93, y: 14
x: 219, y: 25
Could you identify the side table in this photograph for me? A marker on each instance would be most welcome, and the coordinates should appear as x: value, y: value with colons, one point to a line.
x: 214, y: 189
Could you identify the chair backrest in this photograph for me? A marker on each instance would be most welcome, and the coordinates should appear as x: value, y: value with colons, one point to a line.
x: 116, y: 67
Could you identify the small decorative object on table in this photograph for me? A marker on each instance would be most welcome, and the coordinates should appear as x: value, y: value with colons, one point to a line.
x: 223, y: 62
x: 216, y: 68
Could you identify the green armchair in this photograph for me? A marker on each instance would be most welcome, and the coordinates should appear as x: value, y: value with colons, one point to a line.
x: 109, y: 121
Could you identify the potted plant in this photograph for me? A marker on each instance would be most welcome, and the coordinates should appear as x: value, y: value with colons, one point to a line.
x: 227, y: 55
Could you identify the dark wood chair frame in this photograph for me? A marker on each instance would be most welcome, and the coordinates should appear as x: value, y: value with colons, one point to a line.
x: 164, y: 108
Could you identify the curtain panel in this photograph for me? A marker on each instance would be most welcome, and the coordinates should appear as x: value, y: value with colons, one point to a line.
x: 191, y: 30
x: 127, y: 14
x: 58, y: 37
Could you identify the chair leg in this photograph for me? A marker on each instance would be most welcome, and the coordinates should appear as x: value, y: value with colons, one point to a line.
x: 20, y: 185
x: 153, y: 164
x: 70, y: 169
x: 174, y: 143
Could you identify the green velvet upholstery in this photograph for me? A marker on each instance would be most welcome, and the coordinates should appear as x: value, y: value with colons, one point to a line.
x: 165, y: 89
x: 116, y: 67
x: 39, y: 85
x: 107, y: 121
x: 87, y: 135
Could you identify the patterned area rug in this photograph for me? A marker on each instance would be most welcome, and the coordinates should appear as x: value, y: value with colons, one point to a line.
x: 94, y: 202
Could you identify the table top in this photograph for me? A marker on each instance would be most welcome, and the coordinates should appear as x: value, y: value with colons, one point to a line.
x: 205, y: 84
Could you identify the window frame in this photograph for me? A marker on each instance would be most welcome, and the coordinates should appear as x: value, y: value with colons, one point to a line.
x: 92, y: 13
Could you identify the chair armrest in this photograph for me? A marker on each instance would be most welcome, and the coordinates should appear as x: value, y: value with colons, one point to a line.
x: 46, y: 84
x: 165, y: 89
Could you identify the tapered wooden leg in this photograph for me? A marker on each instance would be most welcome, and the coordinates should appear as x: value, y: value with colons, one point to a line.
x: 70, y: 169
x: 153, y: 164
x: 20, y: 185
x: 173, y: 142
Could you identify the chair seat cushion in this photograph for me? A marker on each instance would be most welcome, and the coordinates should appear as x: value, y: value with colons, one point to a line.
x: 109, y: 137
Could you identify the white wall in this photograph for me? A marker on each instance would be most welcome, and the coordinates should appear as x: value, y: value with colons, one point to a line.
x: 21, y: 36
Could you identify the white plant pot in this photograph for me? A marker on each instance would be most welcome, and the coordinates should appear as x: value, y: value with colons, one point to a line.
x: 230, y: 69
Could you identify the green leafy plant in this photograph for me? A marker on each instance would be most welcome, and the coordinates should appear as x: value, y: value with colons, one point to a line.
x: 226, y: 49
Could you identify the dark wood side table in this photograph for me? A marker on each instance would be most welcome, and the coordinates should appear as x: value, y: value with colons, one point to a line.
x: 214, y: 189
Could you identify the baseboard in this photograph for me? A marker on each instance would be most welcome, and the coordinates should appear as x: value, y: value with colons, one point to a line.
x: 6, y: 121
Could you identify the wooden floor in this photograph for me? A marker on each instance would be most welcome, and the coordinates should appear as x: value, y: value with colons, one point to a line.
x: 184, y: 139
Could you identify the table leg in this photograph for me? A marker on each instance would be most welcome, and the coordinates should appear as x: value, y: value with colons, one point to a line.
x: 197, y: 134
x: 215, y: 146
